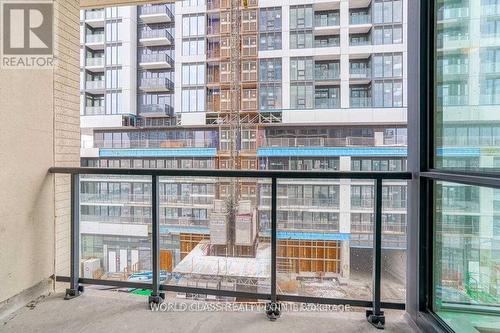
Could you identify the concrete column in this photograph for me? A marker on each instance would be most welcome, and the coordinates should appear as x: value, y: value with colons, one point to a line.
x: 344, y: 54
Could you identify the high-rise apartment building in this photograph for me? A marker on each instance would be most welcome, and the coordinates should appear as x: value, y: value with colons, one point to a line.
x: 322, y: 86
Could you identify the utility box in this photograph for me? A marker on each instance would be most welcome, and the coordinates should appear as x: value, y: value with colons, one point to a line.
x: 245, y: 229
x: 244, y: 207
x: 218, y: 229
x: 219, y: 206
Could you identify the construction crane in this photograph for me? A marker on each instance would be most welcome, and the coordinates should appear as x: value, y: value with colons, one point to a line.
x: 234, y: 119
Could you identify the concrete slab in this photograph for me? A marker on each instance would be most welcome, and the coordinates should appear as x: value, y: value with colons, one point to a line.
x: 112, y: 311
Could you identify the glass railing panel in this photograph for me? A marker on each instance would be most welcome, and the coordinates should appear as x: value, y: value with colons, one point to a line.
x: 115, y: 227
x: 318, y: 253
x: 210, y: 240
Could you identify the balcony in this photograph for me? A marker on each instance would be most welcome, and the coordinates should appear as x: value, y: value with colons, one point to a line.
x: 153, y: 84
x: 361, y: 102
x: 147, y: 143
x: 156, y: 110
x: 445, y: 14
x: 190, y: 276
x: 155, y: 37
x: 326, y: 24
x: 95, y: 41
x: 155, y: 61
x: 95, y: 18
x: 490, y: 67
x: 319, y: 142
x: 327, y: 103
x: 155, y: 14
x: 321, y: 74
x: 458, y: 69
x: 96, y: 86
x: 94, y: 110
x: 362, y: 74
x: 453, y: 100
x: 360, y: 23
x: 95, y: 64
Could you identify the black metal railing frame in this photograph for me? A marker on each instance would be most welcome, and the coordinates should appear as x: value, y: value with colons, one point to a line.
x: 158, y: 289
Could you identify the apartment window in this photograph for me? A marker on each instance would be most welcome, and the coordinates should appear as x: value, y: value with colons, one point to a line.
x: 193, y: 74
x: 326, y: 18
x: 301, y: 39
x: 193, y: 25
x: 395, y: 136
x: 327, y: 97
x: 490, y: 27
x: 387, y: 65
x: 453, y: 93
x: 301, y: 17
x: 490, y: 91
x: 378, y: 164
x: 388, y: 93
x: 270, y: 41
x: 360, y: 96
x: 270, y: 96
x: 270, y: 19
x: 387, y: 11
x: 387, y: 34
x: 270, y: 70
x: 302, y: 95
x: 113, y: 55
x: 192, y: 3
x: 193, y: 100
x: 301, y: 69
x: 193, y: 46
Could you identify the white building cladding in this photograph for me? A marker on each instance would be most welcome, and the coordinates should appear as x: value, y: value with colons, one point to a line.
x: 332, y: 75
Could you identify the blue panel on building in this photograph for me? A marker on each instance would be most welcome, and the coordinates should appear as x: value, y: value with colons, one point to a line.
x: 307, y: 235
x: 331, y: 151
x: 458, y: 151
x: 164, y: 229
x: 159, y: 152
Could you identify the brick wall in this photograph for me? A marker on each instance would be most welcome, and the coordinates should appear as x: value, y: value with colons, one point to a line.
x: 66, y: 120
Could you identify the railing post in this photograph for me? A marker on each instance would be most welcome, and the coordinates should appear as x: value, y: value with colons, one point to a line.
x: 74, y: 288
x: 273, y: 310
x: 156, y: 297
x: 375, y: 316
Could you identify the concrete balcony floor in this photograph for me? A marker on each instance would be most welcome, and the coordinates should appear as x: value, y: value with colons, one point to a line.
x: 112, y: 311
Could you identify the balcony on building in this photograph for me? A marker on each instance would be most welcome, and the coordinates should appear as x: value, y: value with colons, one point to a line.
x: 457, y: 11
x: 326, y: 22
x: 155, y: 13
x: 360, y: 39
x: 360, y: 71
x: 155, y: 37
x: 95, y: 41
x: 486, y: 68
x: 326, y: 71
x: 95, y: 86
x: 152, y: 84
x: 155, y: 61
x: 360, y: 20
x: 94, y: 64
x: 94, y: 110
x: 156, y: 110
x: 326, y: 40
x: 94, y: 18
